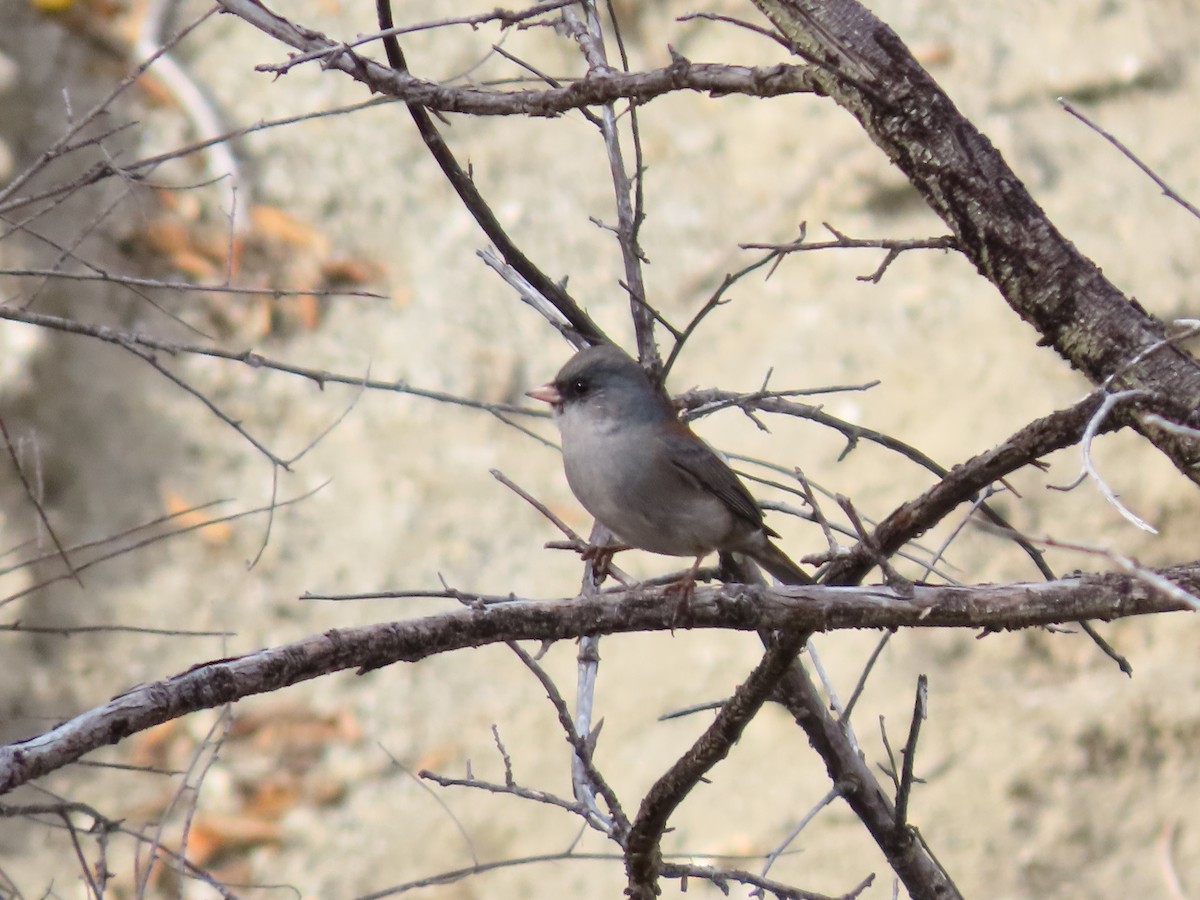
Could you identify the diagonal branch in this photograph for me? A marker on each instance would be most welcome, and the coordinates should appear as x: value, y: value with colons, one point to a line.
x: 906, y: 853
x: 643, y: 856
x: 996, y: 223
x: 464, y: 186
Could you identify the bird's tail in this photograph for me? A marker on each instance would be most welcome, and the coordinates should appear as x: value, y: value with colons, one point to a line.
x: 780, y: 565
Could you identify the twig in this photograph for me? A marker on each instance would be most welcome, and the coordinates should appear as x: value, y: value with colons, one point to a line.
x: 1129, y: 154
x: 893, y: 246
x: 254, y: 360
x: 720, y: 878
x: 716, y: 299
x: 1165, y: 846
x: 578, y: 543
x: 862, y: 678
x: 437, y: 798
x: 505, y: 17
x: 65, y: 141
x: 237, y: 426
x: 588, y: 33
x: 1053, y: 432
x: 894, y: 579
x: 162, y: 284
x: 203, y: 116
x: 153, y: 539
x: 1089, y: 467
x: 616, y: 824
x: 37, y: 503
x: 910, y: 752
x: 921, y: 873
x: 777, y: 852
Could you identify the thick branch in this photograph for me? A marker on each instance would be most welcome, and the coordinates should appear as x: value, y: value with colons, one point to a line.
x: 922, y: 875
x: 912, y: 519
x: 741, y: 607
x: 867, y: 69
x: 642, y: 851
x: 599, y: 87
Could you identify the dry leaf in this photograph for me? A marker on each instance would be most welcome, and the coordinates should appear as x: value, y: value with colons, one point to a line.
x: 185, y: 514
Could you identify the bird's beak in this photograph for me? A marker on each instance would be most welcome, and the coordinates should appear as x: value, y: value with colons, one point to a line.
x: 547, y: 393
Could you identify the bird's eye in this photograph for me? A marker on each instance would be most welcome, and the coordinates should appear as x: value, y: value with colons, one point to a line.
x: 579, y: 387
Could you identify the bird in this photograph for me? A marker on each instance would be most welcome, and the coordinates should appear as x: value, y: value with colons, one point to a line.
x: 645, y: 475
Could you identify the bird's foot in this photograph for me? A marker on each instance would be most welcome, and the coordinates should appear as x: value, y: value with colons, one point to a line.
x: 685, y: 587
x: 600, y: 556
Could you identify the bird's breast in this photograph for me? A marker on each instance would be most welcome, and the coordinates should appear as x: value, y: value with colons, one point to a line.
x: 624, y: 479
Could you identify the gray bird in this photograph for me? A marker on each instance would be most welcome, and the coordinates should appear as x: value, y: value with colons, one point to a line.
x: 645, y: 475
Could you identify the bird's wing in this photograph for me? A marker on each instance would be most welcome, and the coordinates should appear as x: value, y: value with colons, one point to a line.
x: 700, y: 464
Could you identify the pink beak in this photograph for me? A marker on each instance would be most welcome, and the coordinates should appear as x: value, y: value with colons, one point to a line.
x: 547, y: 393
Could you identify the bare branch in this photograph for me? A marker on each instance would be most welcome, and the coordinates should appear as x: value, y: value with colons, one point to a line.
x: 910, y: 751
x: 642, y: 851
x: 741, y: 607
x: 1167, y: 190
x: 999, y: 227
x: 464, y: 186
x: 597, y: 89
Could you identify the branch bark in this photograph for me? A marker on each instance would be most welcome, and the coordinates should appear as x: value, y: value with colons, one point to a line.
x: 923, y: 876
x: 864, y: 67
x: 595, y: 89
x: 733, y: 606
x: 643, y: 855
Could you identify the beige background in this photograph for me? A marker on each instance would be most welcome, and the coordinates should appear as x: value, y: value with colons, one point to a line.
x: 1049, y: 773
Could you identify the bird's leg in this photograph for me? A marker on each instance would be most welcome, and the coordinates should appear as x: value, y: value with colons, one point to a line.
x: 685, y: 586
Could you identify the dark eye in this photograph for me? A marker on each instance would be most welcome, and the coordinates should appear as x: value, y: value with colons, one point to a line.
x: 579, y: 387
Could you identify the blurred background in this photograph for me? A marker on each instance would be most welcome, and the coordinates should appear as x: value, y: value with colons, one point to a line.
x: 1049, y: 773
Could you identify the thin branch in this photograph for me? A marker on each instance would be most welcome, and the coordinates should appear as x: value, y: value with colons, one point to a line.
x: 161, y: 284
x: 861, y: 685
x: 1167, y: 190
x: 921, y: 873
x: 32, y: 495
x: 716, y: 299
x: 212, y: 407
x: 893, y: 246
x: 65, y: 142
x: 588, y: 33
x: 255, y: 360
x: 464, y: 184
x: 910, y: 751
x: 154, y: 539
x: 618, y: 827
x: 912, y: 519
x: 778, y: 851
x: 721, y: 879
x: 507, y: 18
x: 1089, y: 467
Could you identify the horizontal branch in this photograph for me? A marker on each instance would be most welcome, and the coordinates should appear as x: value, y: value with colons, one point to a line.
x: 732, y: 606
x: 597, y: 88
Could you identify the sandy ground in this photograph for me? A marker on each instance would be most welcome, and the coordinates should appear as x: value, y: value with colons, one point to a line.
x: 1049, y: 774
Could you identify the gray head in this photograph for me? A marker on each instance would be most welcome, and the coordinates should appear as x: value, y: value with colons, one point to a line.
x: 604, y: 380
